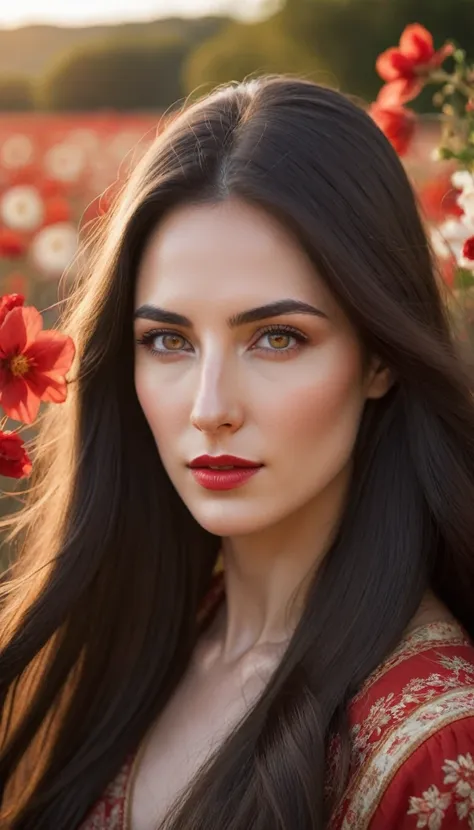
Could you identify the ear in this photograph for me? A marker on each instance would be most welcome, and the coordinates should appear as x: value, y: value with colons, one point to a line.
x: 379, y: 379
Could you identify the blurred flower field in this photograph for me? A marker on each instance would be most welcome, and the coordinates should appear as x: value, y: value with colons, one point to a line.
x: 57, y: 173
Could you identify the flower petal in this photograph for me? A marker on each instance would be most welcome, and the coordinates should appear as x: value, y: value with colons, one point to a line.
x: 416, y: 43
x: 52, y: 352
x: 397, y: 123
x: 48, y: 387
x: 19, y: 401
x: 399, y: 92
x: 392, y: 64
x: 440, y: 56
x: 20, y: 328
x: 14, y: 460
x: 8, y: 302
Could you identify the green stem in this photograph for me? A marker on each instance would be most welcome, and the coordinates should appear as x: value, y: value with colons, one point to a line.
x: 443, y: 78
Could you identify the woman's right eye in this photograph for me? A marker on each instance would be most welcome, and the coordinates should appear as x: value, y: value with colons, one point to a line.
x: 172, y: 342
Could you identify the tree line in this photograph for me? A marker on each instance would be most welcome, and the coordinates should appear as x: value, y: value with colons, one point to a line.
x: 331, y: 41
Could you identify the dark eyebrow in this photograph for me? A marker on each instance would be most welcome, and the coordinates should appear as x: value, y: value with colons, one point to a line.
x: 276, y: 309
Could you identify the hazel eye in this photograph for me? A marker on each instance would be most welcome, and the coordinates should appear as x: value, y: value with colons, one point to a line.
x: 171, y: 342
x: 280, y: 338
x: 280, y: 341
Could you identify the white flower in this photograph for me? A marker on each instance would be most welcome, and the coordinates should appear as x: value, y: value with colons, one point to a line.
x: 123, y: 142
x: 88, y: 139
x: 21, y: 208
x: 466, y: 201
x: 430, y: 809
x: 440, y: 246
x: 460, y: 771
x: 54, y: 248
x: 17, y: 150
x: 451, y: 234
x: 65, y: 162
x: 449, y: 238
x: 462, y: 180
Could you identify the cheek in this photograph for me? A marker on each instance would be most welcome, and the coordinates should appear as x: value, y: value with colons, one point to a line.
x: 159, y: 407
x: 321, y: 406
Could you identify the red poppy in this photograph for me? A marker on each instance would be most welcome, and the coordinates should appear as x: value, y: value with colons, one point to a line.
x: 33, y: 364
x: 405, y: 68
x: 14, y: 460
x: 24, y: 175
x: 49, y: 188
x: 12, y: 244
x: 9, y: 301
x: 438, y: 199
x: 56, y: 209
x: 468, y: 248
x: 397, y: 123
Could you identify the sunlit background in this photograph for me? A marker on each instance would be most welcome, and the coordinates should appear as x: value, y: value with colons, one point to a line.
x: 89, y: 12
x: 85, y: 85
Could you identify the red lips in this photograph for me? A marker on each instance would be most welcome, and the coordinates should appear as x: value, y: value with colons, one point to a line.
x: 222, y: 461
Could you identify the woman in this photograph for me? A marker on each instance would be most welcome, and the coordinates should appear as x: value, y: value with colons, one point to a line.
x: 285, y: 645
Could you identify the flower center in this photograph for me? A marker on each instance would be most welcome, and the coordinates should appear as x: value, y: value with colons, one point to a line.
x: 19, y: 365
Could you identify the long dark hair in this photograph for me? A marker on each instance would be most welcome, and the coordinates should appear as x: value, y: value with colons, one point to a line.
x: 99, y: 612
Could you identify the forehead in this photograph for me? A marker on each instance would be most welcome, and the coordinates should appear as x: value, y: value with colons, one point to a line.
x: 229, y: 251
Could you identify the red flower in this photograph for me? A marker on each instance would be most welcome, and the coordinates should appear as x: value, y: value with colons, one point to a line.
x: 12, y: 243
x: 397, y: 123
x: 57, y: 209
x: 14, y: 460
x: 49, y: 188
x: 33, y: 364
x: 438, y: 199
x: 468, y: 248
x: 9, y: 301
x: 405, y: 68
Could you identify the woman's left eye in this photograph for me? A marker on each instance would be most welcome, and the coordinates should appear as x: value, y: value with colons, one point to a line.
x: 280, y: 335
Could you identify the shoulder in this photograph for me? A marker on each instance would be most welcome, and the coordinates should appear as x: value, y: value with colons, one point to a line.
x: 434, y: 787
x: 412, y: 736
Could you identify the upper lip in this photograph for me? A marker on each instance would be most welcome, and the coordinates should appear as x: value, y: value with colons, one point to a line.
x: 222, y: 460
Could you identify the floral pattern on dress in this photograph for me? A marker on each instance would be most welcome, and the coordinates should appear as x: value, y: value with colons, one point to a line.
x: 394, y: 707
x: 427, y: 684
x: 431, y: 807
x: 398, y: 745
x: 421, y: 639
x: 461, y: 774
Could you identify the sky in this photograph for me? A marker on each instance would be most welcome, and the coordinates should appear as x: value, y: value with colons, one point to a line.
x: 83, y: 12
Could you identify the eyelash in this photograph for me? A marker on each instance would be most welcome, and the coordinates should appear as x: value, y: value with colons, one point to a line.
x: 147, y: 338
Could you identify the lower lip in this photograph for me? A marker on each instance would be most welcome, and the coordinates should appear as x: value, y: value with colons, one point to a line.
x: 223, y: 479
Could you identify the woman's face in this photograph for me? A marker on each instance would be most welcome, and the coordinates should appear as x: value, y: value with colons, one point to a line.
x: 289, y: 399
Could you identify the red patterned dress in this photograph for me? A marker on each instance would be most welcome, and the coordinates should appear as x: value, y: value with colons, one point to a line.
x: 412, y: 736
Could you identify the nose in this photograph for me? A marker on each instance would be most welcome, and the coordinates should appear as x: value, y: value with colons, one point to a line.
x: 216, y: 403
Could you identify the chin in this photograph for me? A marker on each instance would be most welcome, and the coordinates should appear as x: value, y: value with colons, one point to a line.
x: 228, y: 520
